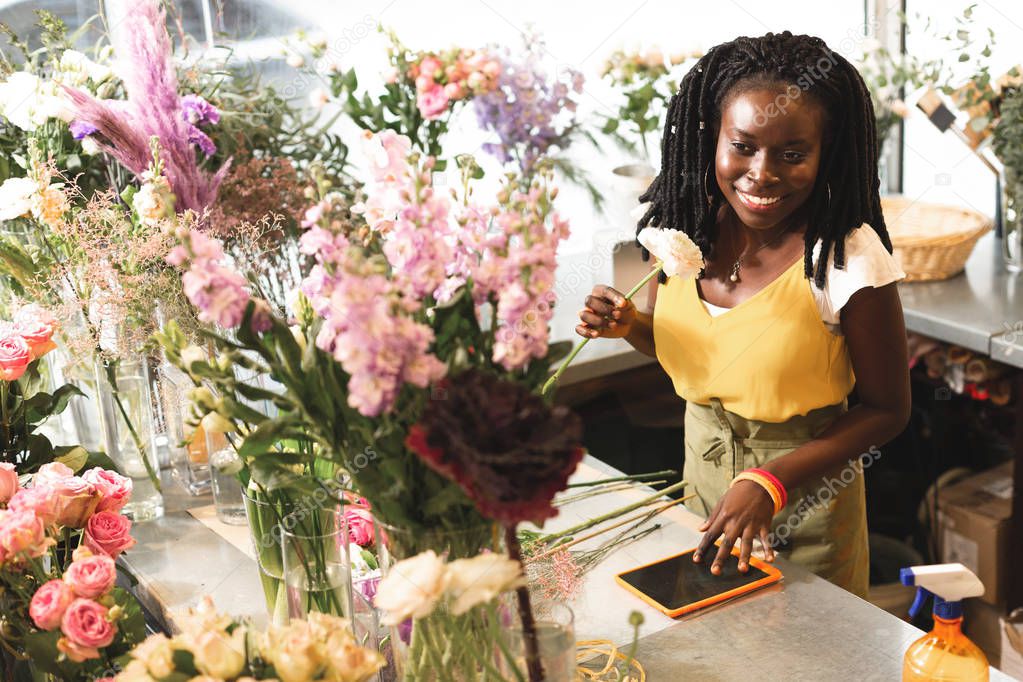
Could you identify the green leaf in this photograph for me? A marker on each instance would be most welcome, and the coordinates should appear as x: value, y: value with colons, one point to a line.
x: 75, y: 458
x: 184, y: 662
x: 964, y: 57
x: 610, y: 126
x: 265, y: 435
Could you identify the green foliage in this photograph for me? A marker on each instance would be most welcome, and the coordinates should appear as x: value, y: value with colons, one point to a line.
x: 24, y: 407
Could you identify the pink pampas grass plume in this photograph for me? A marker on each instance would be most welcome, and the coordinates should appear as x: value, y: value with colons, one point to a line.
x: 145, y: 63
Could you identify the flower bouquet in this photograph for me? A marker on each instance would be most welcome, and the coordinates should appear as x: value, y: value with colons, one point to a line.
x: 59, y: 537
x: 214, y: 646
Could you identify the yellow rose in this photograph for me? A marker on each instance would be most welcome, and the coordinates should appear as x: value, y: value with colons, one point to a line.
x: 157, y: 653
x: 220, y: 654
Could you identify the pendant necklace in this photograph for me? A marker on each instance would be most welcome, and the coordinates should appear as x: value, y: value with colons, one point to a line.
x: 734, y: 276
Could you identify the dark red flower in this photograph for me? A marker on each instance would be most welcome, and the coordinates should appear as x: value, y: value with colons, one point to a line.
x: 508, y: 449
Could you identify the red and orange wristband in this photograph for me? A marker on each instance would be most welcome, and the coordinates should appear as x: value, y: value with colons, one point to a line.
x: 769, y: 482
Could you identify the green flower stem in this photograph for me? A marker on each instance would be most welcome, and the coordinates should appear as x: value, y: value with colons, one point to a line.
x: 110, y: 370
x: 575, y: 351
x: 652, y: 476
x: 586, y: 525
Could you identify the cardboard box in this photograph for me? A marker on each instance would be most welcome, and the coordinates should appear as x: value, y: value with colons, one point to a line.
x: 1011, y: 661
x: 982, y: 623
x: 973, y: 527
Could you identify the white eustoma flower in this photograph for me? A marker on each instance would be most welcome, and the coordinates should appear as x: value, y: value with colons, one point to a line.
x: 28, y: 102
x: 412, y: 588
x: 674, y: 249
x: 479, y: 579
x: 80, y: 69
x: 16, y: 197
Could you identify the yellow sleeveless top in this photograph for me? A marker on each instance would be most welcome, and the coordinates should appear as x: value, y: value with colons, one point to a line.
x: 768, y: 358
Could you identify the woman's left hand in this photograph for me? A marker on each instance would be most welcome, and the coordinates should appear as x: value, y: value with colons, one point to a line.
x: 743, y: 513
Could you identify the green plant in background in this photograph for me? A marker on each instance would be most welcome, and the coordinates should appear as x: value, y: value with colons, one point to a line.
x: 647, y: 81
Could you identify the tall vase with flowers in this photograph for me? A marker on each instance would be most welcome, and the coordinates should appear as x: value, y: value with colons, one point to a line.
x: 404, y: 286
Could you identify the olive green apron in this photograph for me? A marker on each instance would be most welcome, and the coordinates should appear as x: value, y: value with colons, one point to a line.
x: 824, y: 526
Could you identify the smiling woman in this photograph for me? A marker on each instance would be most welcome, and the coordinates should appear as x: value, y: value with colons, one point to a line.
x: 770, y: 162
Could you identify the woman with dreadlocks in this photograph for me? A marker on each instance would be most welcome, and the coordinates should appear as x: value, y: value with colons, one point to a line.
x: 769, y: 163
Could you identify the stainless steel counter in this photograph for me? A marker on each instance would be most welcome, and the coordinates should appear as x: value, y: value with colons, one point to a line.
x: 802, y: 629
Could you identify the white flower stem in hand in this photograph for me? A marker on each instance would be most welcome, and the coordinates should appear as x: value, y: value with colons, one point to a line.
x: 677, y: 256
x: 575, y: 351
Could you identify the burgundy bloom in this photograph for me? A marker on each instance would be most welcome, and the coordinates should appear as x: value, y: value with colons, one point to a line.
x: 508, y: 449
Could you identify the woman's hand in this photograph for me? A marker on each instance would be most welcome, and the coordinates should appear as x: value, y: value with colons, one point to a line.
x: 608, y: 314
x: 744, y: 512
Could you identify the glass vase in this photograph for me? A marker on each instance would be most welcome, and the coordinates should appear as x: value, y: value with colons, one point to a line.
x: 127, y: 429
x: 314, y: 553
x: 443, y: 646
x: 264, y: 511
x: 555, y: 634
x: 1012, y: 221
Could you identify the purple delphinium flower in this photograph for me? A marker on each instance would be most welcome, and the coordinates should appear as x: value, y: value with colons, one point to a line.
x: 198, y: 112
x: 80, y: 129
x: 198, y: 137
x: 525, y: 109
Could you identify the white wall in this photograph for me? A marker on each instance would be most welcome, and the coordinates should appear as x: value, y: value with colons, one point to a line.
x: 938, y: 167
x: 580, y: 35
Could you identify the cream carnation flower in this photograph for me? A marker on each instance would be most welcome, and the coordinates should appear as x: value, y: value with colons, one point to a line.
x: 412, y: 588
x: 479, y: 579
x: 677, y: 253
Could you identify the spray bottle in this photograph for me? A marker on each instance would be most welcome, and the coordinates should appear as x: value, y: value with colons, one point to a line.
x: 944, y: 653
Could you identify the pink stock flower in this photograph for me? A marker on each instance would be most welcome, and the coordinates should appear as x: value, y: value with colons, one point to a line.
x: 114, y: 489
x: 91, y: 576
x: 49, y: 604
x: 388, y: 153
x: 220, y: 293
x: 432, y: 103
x: 15, y: 355
x: 108, y: 533
x: 77, y: 500
x: 8, y: 482
x: 86, y: 626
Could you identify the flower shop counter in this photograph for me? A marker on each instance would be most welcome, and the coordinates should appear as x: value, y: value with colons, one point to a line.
x: 803, y: 628
x: 976, y: 310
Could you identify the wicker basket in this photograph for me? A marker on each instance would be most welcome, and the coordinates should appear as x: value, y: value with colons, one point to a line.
x: 930, y: 241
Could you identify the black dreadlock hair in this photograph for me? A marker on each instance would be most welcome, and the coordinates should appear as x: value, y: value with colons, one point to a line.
x: 679, y: 195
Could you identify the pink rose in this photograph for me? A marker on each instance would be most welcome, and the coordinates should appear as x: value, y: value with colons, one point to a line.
x: 108, y: 533
x: 39, y: 501
x: 454, y: 91
x: 429, y: 66
x: 52, y: 472
x: 36, y: 326
x: 114, y: 489
x: 85, y: 624
x: 8, y: 482
x: 49, y: 604
x: 92, y: 576
x: 432, y: 103
x: 360, y: 525
x: 23, y: 532
x: 76, y: 501
x: 76, y: 652
x: 14, y: 357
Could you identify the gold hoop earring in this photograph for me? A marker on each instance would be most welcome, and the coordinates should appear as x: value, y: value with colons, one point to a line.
x: 706, y: 185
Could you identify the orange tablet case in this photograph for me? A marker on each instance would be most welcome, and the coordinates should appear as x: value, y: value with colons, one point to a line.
x: 773, y: 576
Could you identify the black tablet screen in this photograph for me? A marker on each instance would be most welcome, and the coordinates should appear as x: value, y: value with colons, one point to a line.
x: 678, y: 582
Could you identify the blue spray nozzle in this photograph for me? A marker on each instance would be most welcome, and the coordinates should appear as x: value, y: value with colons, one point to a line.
x: 922, y: 595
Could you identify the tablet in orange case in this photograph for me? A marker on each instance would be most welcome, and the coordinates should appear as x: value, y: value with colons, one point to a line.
x: 677, y: 586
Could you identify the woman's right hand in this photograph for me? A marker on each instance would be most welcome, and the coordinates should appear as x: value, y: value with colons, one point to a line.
x: 608, y: 314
